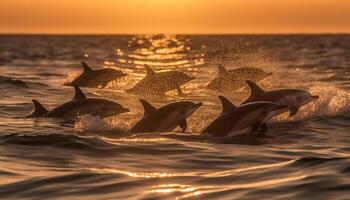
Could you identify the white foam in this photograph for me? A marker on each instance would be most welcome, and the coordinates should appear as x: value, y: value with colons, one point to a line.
x: 333, y: 101
x: 88, y: 123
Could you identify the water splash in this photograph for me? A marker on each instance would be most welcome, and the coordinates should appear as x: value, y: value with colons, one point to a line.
x: 333, y: 101
x: 71, y: 76
x: 87, y: 123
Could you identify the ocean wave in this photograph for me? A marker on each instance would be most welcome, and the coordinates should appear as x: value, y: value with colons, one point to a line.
x: 64, y: 141
x: 12, y: 81
x: 304, y: 157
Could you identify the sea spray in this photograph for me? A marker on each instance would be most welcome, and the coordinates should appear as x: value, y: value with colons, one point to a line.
x: 87, y: 123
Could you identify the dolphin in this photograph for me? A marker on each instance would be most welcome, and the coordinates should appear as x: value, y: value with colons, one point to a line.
x: 228, y: 80
x: 242, y: 119
x: 95, y: 78
x: 157, y: 84
x: 166, y: 118
x: 79, y: 105
x: 293, y: 98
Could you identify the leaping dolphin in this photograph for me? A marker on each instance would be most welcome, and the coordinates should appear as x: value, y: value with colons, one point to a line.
x: 157, y: 84
x: 293, y: 98
x: 95, y: 78
x: 166, y: 118
x: 79, y: 105
x: 247, y: 118
x: 228, y: 80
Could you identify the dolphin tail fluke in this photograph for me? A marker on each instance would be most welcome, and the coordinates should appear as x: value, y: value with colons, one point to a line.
x: 226, y: 104
x: 148, y: 108
x: 79, y: 95
x: 183, y: 125
x: 254, y: 88
x: 222, y: 70
x: 39, y: 109
x: 149, y: 70
x: 87, y: 68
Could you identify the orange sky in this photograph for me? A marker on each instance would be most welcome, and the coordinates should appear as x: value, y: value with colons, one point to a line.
x: 174, y: 16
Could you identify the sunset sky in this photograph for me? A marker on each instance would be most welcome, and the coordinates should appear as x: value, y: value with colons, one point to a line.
x: 174, y: 16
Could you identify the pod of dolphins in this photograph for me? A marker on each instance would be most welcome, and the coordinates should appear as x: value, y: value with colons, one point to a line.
x: 250, y: 117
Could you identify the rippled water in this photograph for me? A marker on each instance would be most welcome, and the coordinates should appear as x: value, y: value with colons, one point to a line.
x: 305, y: 157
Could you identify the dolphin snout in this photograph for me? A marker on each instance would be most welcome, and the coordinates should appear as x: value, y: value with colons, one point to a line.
x: 192, y: 78
x: 122, y: 74
x: 315, y: 97
x: 199, y: 104
x: 196, y: 106
x: 125, y: 110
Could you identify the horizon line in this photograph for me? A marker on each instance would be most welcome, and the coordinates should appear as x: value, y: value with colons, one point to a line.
x: 166, y: 33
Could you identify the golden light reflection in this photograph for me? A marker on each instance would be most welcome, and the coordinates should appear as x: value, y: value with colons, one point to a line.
x: 168, y: 64
x: 252, y: 168
x: 157, y: 57
x: 119, y: 138
x: 196, y: 191
x: 168, y: 188
x: 210, y: 175
x: 138, y: 174
x: 138, y: 140
x: 191, y: 191
x: 161, y: 51
x: 262, y: 184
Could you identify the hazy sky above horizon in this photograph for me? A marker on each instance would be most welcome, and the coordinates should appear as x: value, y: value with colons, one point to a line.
x: 175, y: 16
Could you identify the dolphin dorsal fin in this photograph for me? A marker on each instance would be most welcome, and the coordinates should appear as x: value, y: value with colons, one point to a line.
x: 222, y: 71
x: 79, y: 95
x: 87, y: 68
x: 255, y: 90
x: 149, y: 71
x: 38, y: 107
x: 147, y: 107
x: 226, y: 104
x: 39, y: 110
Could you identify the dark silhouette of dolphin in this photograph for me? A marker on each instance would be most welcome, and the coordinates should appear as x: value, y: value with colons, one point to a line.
x: 246, y: 118
x: 95, y: 78
x: 157, y: 84
x: 228, y: 80
x: 293, y: 98
x: 166, y: 118
x: 79, y: 105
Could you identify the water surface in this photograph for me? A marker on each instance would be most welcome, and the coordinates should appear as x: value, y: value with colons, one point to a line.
x: 305, y: 157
